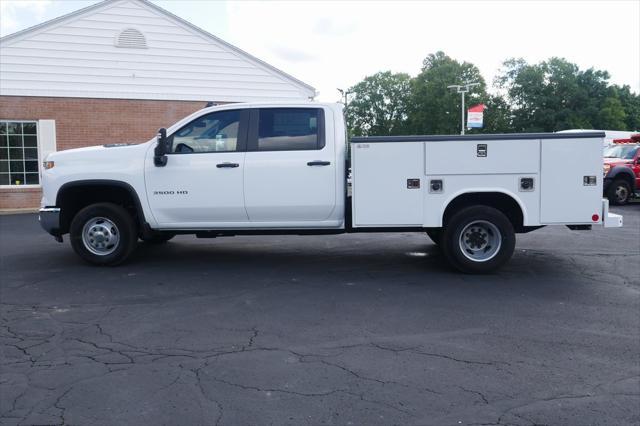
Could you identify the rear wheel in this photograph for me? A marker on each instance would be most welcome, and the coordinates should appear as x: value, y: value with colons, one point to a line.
x: 478, y: 239
x: 619, y: 192
x: 103, y: 234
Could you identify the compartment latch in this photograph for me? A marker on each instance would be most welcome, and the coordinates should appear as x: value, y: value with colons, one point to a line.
x: 413, y: 183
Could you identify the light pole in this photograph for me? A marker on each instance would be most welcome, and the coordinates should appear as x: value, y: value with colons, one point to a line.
x: 345, y: 95
x: 462, y: 89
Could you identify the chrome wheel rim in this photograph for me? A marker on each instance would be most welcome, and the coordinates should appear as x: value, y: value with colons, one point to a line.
x: 621, y: 193
x: 480, y: 241
x: 100, y: 236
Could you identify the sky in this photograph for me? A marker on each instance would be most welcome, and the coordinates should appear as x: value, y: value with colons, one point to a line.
x: 334, y: 44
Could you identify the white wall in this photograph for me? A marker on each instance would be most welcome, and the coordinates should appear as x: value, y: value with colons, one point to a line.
x: 77, y: 57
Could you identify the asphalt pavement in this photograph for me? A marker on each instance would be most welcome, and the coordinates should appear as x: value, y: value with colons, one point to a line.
x: 360, y: 329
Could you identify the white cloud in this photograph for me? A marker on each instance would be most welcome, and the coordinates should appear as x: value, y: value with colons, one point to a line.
x: 348, y: 40
x: 325, y: 25
x: 11, y: 11
x: 291, y: 55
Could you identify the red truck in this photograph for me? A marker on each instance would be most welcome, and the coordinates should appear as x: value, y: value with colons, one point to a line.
x: 622, y: 170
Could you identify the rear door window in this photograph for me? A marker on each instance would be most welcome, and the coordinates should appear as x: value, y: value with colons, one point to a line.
x: 290, y: 129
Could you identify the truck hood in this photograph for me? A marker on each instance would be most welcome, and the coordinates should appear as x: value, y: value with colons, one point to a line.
x: 616, y: 161
x: 98, y: 153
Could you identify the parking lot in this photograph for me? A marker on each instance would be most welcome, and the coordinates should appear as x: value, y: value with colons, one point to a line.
x: 359, y: 329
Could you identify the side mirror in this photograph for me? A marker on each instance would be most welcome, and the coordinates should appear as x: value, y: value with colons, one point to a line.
x: 160, y: 152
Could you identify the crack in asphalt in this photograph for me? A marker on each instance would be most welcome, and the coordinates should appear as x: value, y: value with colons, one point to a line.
x: 206, y: 396
x: 308, y: 394
x: 63, y: 410
x: 266, y: 390
x: 132, y: 353
x: 562, y: 397
x: 480, y: 394
x: 38, y: 341
x: 372, y: 379
x: 253, y: 337
x: 414, y: 350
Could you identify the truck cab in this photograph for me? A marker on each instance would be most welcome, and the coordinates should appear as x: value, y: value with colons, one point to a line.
x: 258, y: 167
x: 622, y: 170
x: 282, y: 168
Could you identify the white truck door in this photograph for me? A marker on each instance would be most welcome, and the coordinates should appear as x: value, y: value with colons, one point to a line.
x: 290, y: 170
x: 202, y: 183
x: 571, y: 181
x: 388, y: 183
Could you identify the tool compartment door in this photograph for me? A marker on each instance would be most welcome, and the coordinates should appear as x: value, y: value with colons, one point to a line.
x: 565, y: 198
x: 482, y: 157
x: 388, y: 182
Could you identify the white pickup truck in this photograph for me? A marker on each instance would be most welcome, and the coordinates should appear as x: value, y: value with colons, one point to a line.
x: 283, y: 169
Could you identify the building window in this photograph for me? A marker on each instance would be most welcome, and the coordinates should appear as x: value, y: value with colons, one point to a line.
x: 19, y: 153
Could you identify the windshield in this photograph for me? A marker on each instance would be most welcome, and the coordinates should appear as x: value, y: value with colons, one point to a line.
x: 626, y: 152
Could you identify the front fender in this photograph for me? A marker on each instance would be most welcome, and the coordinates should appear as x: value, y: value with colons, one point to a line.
x: 74, y: 195
x: 620, y: 172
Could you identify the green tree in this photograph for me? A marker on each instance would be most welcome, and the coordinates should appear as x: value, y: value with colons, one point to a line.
x: 556, y: 95
x: 612, y: 114
x: 435, y: 109
x: 548, y: 96
x: 378, y: 106
x: 497, y: 115
x: 631, y: 104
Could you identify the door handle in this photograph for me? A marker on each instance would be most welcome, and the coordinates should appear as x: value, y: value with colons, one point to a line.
x: 227, y: 165
x: 318, y: 163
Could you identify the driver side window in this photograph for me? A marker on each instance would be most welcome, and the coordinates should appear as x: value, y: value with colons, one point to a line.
x: 215, y: 132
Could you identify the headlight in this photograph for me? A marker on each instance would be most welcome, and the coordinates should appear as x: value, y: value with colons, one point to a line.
x: 48, y: 165
x: 606, y: 168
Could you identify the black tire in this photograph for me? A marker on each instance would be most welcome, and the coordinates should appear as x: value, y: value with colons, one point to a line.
x: 619, y: 192
x: 158, y: 237
x: 436, y: 235
x: 113, y: 223
x: 472, y: 220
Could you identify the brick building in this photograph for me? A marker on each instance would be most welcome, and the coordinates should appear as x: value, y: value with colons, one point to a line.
x: 114, y: 72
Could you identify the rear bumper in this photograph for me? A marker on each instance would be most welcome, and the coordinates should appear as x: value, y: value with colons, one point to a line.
x: 610, y: 220
x: 49, y: 218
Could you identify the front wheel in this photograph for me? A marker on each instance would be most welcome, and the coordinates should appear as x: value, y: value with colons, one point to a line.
x: 103, y: 234
x: 619, y: 192
x: 478, y: 239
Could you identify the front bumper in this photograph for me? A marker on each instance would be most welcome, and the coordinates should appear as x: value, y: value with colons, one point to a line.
x: 49, y: 218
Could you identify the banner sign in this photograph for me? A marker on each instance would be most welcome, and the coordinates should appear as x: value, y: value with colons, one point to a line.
x: 474, y: 116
